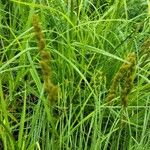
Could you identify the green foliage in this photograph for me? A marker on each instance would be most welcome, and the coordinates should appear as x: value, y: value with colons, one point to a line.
x: 88, y: 41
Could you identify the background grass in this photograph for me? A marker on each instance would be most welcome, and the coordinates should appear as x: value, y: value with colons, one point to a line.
x: 88, y: 40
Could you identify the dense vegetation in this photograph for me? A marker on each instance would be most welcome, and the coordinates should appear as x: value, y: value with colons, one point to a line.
x: 74, y: 74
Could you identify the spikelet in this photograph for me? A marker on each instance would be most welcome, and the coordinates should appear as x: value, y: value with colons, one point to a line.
x: 128, y: 83
x: 38, y: 33
x: 125, y: 74
x: 50, y: 88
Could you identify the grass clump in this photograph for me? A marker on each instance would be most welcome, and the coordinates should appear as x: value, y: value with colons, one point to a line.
x: 82, y: 49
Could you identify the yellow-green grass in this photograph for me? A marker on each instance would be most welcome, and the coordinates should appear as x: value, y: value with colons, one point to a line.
x: 88, y: 42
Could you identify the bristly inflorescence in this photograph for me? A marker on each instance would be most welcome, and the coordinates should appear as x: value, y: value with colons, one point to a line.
x: 50, y: 88
x: 125, y: 75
